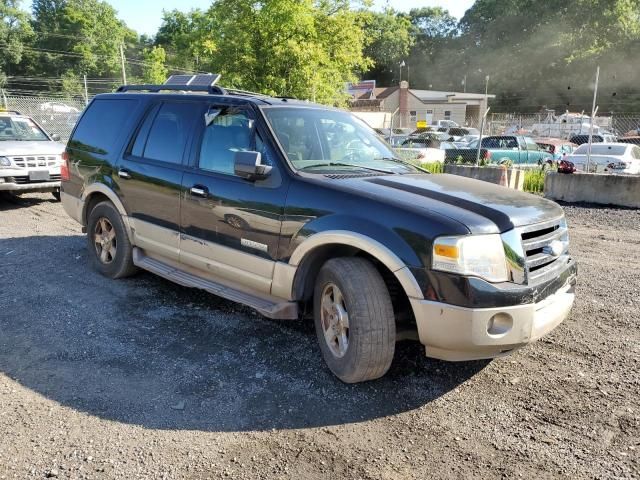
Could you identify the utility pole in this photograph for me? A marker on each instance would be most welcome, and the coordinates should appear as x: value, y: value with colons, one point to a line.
x: 594, y: 110
x: 86, y: 93
x: 124, y: 73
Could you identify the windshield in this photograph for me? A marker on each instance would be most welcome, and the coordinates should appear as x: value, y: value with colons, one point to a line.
x: 20, y: 129
x: 315, y: 138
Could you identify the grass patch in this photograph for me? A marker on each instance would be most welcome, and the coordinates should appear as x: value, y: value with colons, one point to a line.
x: 534, y: 180
x: 433, y: 167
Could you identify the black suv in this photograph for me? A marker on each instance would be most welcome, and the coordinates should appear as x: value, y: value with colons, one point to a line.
x: 294, y: 208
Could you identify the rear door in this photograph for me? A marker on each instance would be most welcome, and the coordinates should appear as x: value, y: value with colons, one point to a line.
x: 231, y: 226
x: 149, y: 174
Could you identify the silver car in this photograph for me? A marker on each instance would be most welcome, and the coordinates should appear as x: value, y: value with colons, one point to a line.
x: 30, y: 158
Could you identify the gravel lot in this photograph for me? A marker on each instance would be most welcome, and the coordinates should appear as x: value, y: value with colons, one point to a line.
x: 140, y: 378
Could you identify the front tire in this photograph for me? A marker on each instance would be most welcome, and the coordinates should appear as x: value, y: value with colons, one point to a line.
x: 354, y: 319
x: 110, y: 250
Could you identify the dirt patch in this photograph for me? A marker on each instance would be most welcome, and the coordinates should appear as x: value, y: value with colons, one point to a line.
x: 141, y: 378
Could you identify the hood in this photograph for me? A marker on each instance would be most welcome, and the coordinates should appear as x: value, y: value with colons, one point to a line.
x: 17, y: 149
x: 482, y: 207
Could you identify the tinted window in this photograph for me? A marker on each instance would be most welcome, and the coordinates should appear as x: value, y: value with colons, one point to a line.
x: 170, y: 131
x: 229, y: 131
x: 101, y: 125
x: 141, y: 139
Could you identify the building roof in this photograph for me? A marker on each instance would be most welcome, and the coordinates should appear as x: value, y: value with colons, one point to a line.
x: 384, y: 92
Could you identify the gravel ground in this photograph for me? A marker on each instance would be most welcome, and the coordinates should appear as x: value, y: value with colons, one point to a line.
x: 140, y: 378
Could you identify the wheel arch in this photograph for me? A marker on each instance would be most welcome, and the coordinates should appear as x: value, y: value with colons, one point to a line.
x: 97, y: 193
x: 309, y: 256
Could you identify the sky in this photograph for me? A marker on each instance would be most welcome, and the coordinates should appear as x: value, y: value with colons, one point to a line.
x: 145, y: 16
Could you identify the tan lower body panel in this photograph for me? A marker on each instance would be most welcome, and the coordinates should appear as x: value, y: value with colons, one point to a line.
x: 456, y: 333
x: 223, y: 262
x: 155, y: 239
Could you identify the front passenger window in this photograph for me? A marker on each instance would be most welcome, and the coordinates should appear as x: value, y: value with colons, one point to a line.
x: 229, y: 132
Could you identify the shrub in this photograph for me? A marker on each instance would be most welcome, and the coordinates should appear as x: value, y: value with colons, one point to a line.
x: 534, y: 180
x: 433, y: 167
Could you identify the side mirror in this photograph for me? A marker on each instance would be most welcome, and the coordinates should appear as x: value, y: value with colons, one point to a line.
x: 55, y: 137
x: 248, y: 165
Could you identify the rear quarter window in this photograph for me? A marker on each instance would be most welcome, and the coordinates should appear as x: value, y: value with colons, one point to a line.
x: 101, y: 125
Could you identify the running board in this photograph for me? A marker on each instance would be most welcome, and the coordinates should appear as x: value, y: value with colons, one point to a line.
x: 270, y: 309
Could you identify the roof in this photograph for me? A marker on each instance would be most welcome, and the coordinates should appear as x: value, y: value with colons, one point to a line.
x: 384, y: 92
x: 249, y: 97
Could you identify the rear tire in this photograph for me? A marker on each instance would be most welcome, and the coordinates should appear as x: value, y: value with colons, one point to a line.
x: 110, y: 251
x: 354, y: 319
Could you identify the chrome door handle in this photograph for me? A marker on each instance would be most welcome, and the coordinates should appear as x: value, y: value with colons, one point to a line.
x: 122, y: 173
x: 199, y: 191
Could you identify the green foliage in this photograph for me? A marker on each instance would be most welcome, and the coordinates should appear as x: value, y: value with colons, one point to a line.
x: 433, y: 167
x: 300, y: 48
x: 388, y: 36
x: 534, y: 180
x: 15, y: 32
x: 88, y: 31
x: 154, y: 70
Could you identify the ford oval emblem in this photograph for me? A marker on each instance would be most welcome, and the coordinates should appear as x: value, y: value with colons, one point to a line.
x: 554, y: 249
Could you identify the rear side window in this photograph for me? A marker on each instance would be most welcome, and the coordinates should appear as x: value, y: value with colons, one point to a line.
x: 169, y: 132
x: 101, y: 125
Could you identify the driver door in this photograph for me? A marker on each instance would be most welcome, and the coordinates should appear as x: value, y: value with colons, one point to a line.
x: 230, y: 227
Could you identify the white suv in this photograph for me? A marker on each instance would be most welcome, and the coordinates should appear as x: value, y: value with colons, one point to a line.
x: 30, y: 158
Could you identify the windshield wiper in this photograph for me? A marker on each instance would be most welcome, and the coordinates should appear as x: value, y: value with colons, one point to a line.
x: 340, y: 164
x: 402, y: 162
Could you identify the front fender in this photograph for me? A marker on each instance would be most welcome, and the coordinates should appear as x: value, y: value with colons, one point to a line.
x: 367, y: 244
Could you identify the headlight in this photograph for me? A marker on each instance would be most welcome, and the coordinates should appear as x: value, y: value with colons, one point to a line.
x: 5, y: 162
x: 476, y: 255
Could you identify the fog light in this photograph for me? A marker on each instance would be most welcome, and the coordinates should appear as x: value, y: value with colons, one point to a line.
x: 499, y: 324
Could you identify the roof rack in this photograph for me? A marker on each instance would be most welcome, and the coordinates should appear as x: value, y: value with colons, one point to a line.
x: 186, y: 83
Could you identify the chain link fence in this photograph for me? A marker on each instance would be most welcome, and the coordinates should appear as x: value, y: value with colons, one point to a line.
x: 59, y: 115
x: 562, y: 126
x: 56, y: 115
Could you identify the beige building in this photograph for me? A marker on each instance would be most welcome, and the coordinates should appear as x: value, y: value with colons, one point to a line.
x: 421, y: 105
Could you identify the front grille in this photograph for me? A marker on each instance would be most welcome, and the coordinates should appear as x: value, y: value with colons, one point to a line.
x: 35, y: 161
x: 545, y: 246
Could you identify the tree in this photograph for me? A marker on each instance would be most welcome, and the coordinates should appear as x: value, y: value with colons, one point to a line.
x: 434, y: 31
x: 154, y: 70
x: 388, y: 39
x: 80, y: 36
x: 15, y: 33
x: 300, y: 48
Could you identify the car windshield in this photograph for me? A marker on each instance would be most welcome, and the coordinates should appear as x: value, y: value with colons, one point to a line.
x: 315, y: 138
x: 20, y: 129
x: 616, y: 150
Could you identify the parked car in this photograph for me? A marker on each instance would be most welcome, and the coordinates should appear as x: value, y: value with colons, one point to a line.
x: 421, y: 149
x: 438, y: 124
x: 57, y: 108
x: 457, y: 133
x: 635, y: 140
x: 596, y: 138
x: 30, y: 158
x: 374, y: 247
x: 557, y: 147
x: 499, y: 149
x: 608, y: 157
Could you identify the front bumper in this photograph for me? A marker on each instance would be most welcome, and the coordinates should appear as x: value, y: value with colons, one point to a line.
x: 455, y: 333
x: 18, y: 180
x: 30, y: 187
